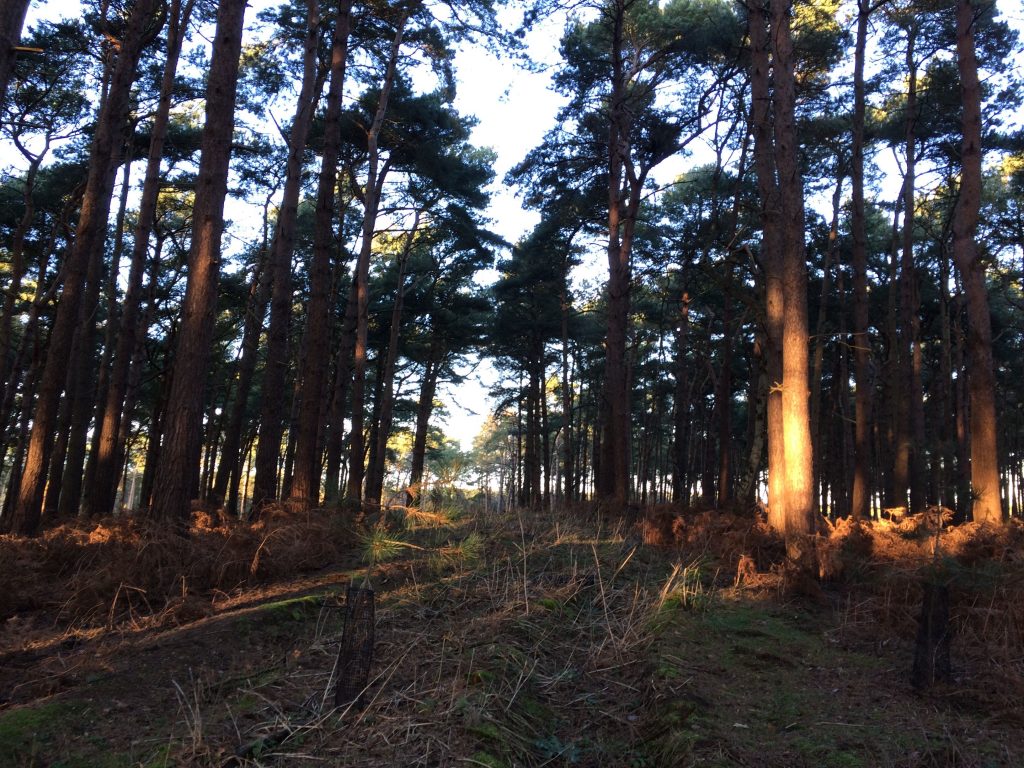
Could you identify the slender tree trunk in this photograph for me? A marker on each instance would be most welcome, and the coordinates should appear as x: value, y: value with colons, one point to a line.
x: 568, y: 449
x: 376, y: 174
x: 681, y: 403
x: 342, y: 380
x: 862, y: 487
x: 280, y: 265
x: 89, y: 237
x: 81, y: 392
x: 981, y: 377
x: 909, y: 472
x: 818, y: 356
x: 231, y: 457
x: 177, y: 477
x: 313, y: 366
x: 723, y: 397
x: 110, y: 326
x: 757, y: 420
x: 99, y: 495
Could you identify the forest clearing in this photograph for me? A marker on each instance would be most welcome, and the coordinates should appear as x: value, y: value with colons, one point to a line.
x: 732, y: 291
x: 513, y: 639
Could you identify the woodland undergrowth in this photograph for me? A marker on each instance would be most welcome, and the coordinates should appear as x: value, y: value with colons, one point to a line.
x: 531, y: 638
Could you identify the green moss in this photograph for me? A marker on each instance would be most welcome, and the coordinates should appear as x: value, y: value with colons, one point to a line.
x: 24, y: 730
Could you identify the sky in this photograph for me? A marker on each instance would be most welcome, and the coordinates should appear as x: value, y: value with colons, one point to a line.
x: 514, y: 108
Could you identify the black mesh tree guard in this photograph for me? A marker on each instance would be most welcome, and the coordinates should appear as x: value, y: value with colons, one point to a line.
x: 356, y: 653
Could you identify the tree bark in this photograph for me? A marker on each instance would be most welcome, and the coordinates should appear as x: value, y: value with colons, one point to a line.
x: 909, y: 469
x: 177, y: 477
x: 861, y: 341
x: 280, y: 265
x: 799, y: 483
x: 612, y: 474
x: 313, y: 367
x: 89, y: 236
x: 376, y: 173
x: 99, y: 494
x: 986, y: 506
x: 770, y: 257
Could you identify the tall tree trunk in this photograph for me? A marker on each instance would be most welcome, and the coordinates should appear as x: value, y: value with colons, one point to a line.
x: 981, y: 377
x: 612, y: 474
x: 99, y: 494
x: 799, y: 484
x: 280, y: 265
x: 862, y: 487
x: 89, y: 235
x: 375, y: 175
x: 909, y: 470
x: 313, y: 366
x: 178, y: 474
x: 771, y: 258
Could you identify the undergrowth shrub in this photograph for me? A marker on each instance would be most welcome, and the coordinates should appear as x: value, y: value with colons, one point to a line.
x: 108, y: 571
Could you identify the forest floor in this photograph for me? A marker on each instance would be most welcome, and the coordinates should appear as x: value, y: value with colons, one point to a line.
x: 518, y: 639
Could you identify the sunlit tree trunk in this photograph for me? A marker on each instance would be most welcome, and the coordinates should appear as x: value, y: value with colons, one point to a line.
x: 89, y: 236
x: 770, y: 257
x: 177, y: 478
x: 981, y: 379
x: 799, y: 483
